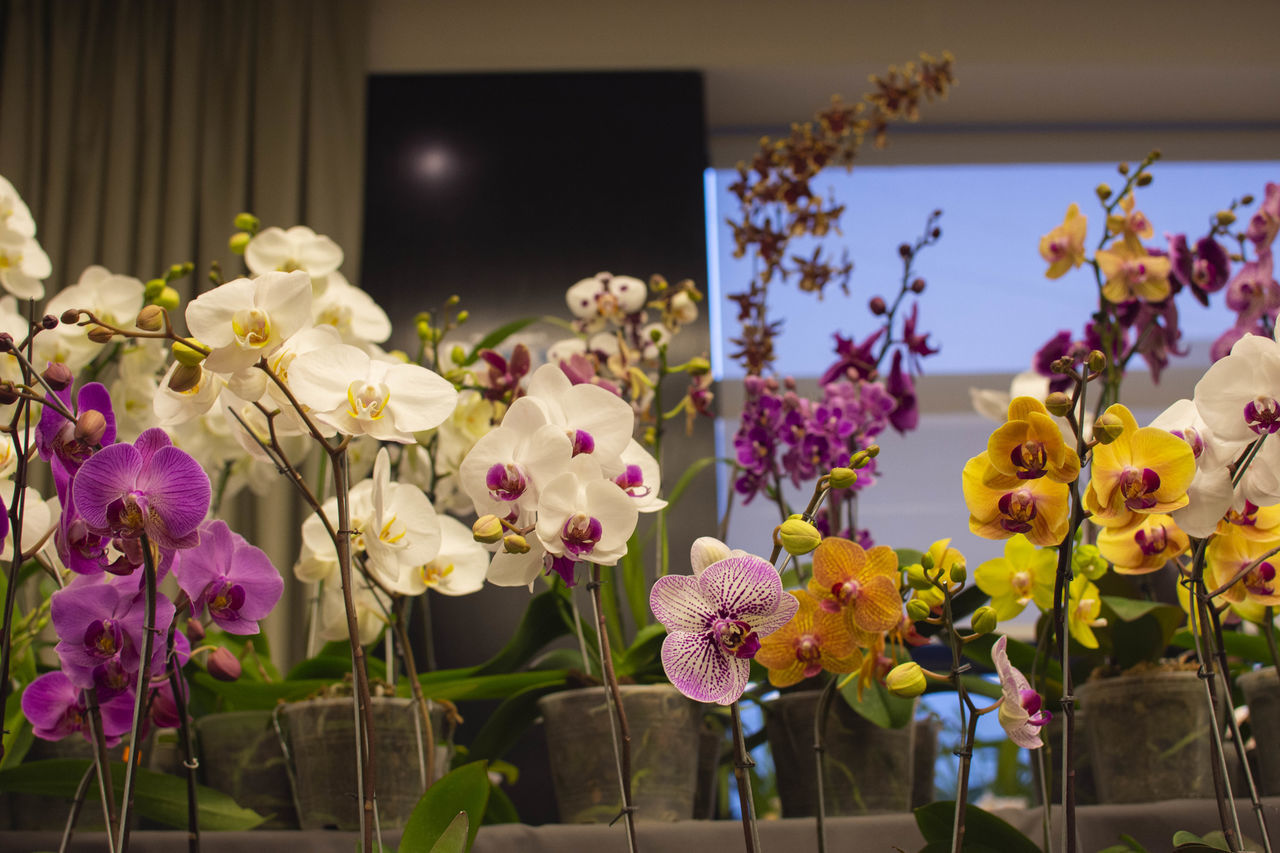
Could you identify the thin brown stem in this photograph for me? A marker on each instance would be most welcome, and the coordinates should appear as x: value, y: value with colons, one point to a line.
x: 411, y: 672
x: 77, y: 803
x: 742, y: 765
x: 620, y: 714
x: 144, y: 688
x: 820, y: 753
x: 102, y: 763
x: 189, y: 761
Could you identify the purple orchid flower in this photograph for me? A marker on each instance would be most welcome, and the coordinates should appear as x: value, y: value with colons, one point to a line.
x: 715, y: 622
x: 65, y: 444
x: 233, y: 579
x: 1265, y: 222
x: 147, y: 487
x: 853, y: 361
x: 56, y: 709
x: 1021, y: 709
x: 99, y: 621
x: 906, y: 416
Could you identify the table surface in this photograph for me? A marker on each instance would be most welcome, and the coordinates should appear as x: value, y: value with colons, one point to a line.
x: 1152, y: 824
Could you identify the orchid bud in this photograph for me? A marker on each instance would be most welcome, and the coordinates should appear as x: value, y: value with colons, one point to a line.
x: 1107, y: 428
x: 877, y: 305
x: 71, y: 315
x: 1226, y: 217
x: 926, y: 561
x: 90, y: 426
x: 1123, y: 168
x: 917, y: 285
x: 150, y: 319
x: 48, y: 322
x: 1087, y: 560
x: 8, y: 393
x: 58, y: 376
x: 705, y: 551
x: 906, y: 680
x: 452, y: 300
x: 186, y: 355
x: 1097, y: 361
x: 1058, y: 403
x: 168, y: 298
x: 843, y: 478
x: 1103, y: 191
x: 863, y: 457
x: 223, y: 665
x: 699, y: 366
x: 917, y: 578
x: 1144, y: 179
x: 984, y: 620
x: 152, y: 289
x: 195, y: 630
x: 185, y: 377
x: 487, y: 529
x: 463, y: 316
x: 959, y: 572
x: 514, y: 543
x: 176, y: 271
x: 247, y: 222
x: 239, y: 242
x: 918, y: 610
x: 100, y: 334
x: 458, y: 355
x: 798, y: 536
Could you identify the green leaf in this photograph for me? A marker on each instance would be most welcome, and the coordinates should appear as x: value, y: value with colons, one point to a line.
x: 500, y: 809
x: 879, y: 705
x: 634, y: 582
x: 908, y: 556
x: 1250, y: 647
x: 496, y: 337
x: 334, y: 668
x: 644, y: 652
x: 258, y: 695
x: 463, y: 790
x: 1131, y: 609
x: 454, y: 837
x: 1139, y: 630
x: 484, y: 686
x: 548, y: 617
x: 687, y: 477
x: 158, y: 796
x: 509, y: 722
x: 983, y: 831
x: 18, y: 736
x: 611, y: 608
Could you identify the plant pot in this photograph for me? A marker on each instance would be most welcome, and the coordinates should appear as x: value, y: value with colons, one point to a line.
x: 33, y: 812
x: 240, y: 755
x: 665, y: 732
x: 322, y: 748
x: 1262, y: 694
x: 711, y: 739
x: 867, y: 770
x: 1051, y: 734
x: 1149, y: 736
x: 924, y: 760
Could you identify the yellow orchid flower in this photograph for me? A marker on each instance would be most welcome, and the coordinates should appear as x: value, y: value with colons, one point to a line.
x: 1001, y: 506
x: 1082, y: 611
x: 1144, y: 470
x: 1030, y: 445
x: 1231, y: 552
x: 1253, y: 522
x: 1063, y: 247
x: 1024, y: 574
x: 1132, y: 225
x: 863, y: 585
x: 1132, y: 273
x: 815, y: 639
x: 1245, y: 609
x: 1143, y: 546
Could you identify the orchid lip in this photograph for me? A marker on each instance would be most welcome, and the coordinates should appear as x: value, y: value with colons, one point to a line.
x: 506, y: 482
x: 583, y: 442
x: 580, y: 534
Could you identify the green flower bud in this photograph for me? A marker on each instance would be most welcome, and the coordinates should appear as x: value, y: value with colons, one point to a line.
x: 514, y: 543
x: 699, y: 366
x: 167, y: 298
x: 1144, y: 179
x: 1103, y: 191
x: 247, y: 222
x: 984, y: 620
x: 926, y: 561
x: 1058, y: 403
x: 918, y: 610
x: 798, y: 536
x: 463, y: 316
x: 906, y: 680
x: 238, y: 242
x: 863, y: 457
x: 153, y: 288
x: 959, y: 572
x: 1087, y: 560
x: 184, y: 354
x: 1123, y: 168
x: 916, y: 577
x: 487, y: 529
x: 1097, y: 361
x: 1226, y: 217
x: 458, y: 354
x: 1107, y: 428
x: 100, y: 334
x: 185, y: 377
x: 150, y: 319
x: 176, y: 271
x: 843, y: 478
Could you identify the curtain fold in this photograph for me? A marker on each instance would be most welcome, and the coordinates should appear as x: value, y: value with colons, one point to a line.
x: 137, y: 130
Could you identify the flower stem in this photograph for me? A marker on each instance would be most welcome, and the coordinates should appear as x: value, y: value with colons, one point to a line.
x: 21, y: 415
x: 144, y: 687
x: 820, y: 752
x: 76, y: 804
x: 1270, y: 620
x: 965, y: 752
x: 622, y: 734
x: 189, y: 760
x: 411, y: 672
x: 742, y: 765
x: 106, y: 788
x: 365, y: 758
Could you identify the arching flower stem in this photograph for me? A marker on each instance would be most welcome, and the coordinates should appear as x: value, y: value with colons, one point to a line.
x: 102, y: 766
x: 618, y: 717
x: 142, y: 690
x: 399, y: 624
x: 742, y: 765
x: 189, y: 761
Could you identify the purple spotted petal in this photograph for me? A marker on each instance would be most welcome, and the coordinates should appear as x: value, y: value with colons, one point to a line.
x: 766, y: 624
x: 742, y: 587
x: 109, y: 474
x: 740, y: 673
x: 696, y: 666
x: 678, y: 603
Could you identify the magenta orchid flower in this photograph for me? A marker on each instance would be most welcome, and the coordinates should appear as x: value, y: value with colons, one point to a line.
x: 715, y: 622
x: 232, y: 578
x: 66, y: 444
x: 148, y: 487
x: 1021, y: 709
x: 99, y: 620
x: 56, y: 708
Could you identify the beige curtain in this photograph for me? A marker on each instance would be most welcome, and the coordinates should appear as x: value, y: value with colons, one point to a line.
x: 136, y: 130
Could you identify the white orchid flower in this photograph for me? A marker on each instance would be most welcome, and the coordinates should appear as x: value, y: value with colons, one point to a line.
x: 371, y: 609
x: 505, y: 469
x: 15, y: 216
x: 597, y: 421
x: 459, y: 567
x: 357, y: 395
x: 114, y: 299
x: 1239, y: 396
x: 401, y: 531
x: 1210, y: 492
x: 583, y: 516
x: 247, y: 319
x: 639, y: 476
x: 23, y: 265
x: 299, y: 248
x: 351, y: 312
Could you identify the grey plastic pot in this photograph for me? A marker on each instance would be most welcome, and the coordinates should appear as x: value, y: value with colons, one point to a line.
x: 665, y: 733
x: 240, y: 755
x: 1262, y: 694
x: 867, y: 769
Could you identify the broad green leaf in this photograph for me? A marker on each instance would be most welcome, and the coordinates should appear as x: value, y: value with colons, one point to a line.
x: 496, y: 337
x: 484, y: 686
x: 908, y: 556
x: 1130, y: 609
x: 1249, y: 647
x: 334, y: 668
x: 509, y: 722
x: 463, y: 790
x: 257, y: 695
x: 982, y: 830
x: 879, y: 705
x: 17, y: 732
x: 159, y: 797
x: 1139, y: 630
x: 454, y: 837
x: 611, y: 608
x: 634, y: 582
x: 644, y: 652
x: 687, y: 477
x: 548, y: 617
x: 500, y: 808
